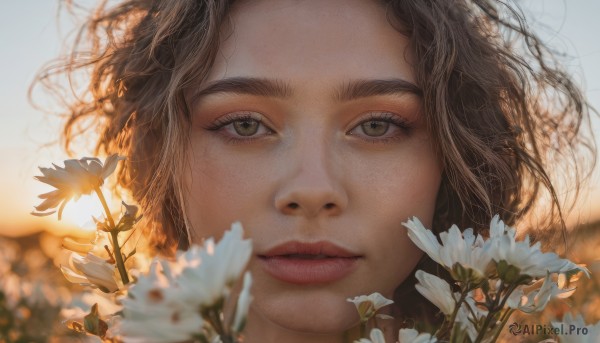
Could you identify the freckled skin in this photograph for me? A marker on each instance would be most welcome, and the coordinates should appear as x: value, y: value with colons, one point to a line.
x: 311, y: 172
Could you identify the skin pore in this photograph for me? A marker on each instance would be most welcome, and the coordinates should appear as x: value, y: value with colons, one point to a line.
x: 309, y: 129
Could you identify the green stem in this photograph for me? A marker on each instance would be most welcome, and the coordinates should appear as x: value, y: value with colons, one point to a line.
x: 119, y: 258
x: 483, y: 329
x: 448, y: 325
x: 511, y: 289
x: 212, y: 316
x: 503, y: 321
x: 115, y: 240
x: 506, y: 315
x: 105, y: 206
x: 495, y: 306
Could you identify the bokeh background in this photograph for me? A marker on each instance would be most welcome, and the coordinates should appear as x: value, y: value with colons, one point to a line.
x: 33, y: 33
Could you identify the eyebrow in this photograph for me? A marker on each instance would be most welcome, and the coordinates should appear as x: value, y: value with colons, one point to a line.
x: 247, y: 85
x: 351, y: 90
x: 365, y: 88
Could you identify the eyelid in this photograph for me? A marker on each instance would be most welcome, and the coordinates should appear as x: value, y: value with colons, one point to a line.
x: 231, y: 117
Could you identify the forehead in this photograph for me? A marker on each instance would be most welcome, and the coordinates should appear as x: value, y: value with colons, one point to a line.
x: 311, y: 41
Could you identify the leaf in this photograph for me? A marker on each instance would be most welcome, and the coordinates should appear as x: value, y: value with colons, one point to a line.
x: 130, y: 254
x: 93, y: 324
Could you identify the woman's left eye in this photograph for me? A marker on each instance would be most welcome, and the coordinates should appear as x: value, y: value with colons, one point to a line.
x: 381, y: 126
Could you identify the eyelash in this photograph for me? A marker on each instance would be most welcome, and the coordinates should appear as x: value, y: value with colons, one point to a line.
x: 387, y: 117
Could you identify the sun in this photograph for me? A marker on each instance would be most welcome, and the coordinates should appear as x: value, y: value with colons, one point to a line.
x: 79, y: 213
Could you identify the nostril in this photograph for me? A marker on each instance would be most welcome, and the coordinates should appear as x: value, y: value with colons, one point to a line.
x: 293, y: 206
x: 329, y: 206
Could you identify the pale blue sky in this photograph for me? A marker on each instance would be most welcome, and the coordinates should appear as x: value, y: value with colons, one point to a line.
x: 29, y: 37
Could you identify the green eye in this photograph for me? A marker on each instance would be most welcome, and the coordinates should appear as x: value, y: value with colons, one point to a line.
x: 246, y: 127
x: 375, y: 128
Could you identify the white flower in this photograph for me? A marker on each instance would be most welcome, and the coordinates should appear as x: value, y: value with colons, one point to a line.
x: 376, y: 336
x: 467, y: 256
x: 78, y: 177
x: 536, y: 300
x: 529, y: 259
x: 93, y: 271
x: 235, y: 250
x: 243, y: 304
x: 210, y: 272
x: 464, y: 249
x: 167, y: 304
x: 586, y: 333
x: 469, y: 313
x: 437, y: 291
x: 368, y: 305
x: 154, y: 310
x: 413, y: 336
x: 515, y: 298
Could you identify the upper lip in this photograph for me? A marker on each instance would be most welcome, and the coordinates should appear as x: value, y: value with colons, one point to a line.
x: 326, y: 248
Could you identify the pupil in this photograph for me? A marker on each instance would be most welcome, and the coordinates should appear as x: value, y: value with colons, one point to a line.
x: 246, y: 127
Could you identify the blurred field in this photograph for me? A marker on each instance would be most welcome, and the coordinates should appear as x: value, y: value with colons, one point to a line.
x: 33, y: 290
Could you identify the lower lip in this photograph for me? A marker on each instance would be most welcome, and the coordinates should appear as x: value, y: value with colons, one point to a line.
x: 307, y: 271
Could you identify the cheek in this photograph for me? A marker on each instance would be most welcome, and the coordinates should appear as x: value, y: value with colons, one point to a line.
x: 394, y: 190
x: 410, y: 190
x: 221, y: 186
x: 398, y: 186
x: 392, y: 256
x: 398, y: 257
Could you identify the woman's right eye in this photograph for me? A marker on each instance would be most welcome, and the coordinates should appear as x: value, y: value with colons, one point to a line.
x: 243, y: 126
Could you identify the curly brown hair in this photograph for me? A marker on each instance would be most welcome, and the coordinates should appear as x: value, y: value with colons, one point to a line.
x: 504, y: 117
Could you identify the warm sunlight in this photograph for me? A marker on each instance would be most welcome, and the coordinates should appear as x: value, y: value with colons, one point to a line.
x: 79, y: 213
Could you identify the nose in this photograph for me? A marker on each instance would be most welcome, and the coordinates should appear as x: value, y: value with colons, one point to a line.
x: 312, y: 186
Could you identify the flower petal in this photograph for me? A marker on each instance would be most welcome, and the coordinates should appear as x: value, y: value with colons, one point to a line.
x: 413, y: 336
x: 110, y: 164
x: 436, y: 290
x: 423, y: 238
x: 243, y: 304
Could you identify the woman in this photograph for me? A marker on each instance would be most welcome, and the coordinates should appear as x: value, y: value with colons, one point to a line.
x: 322, y: 126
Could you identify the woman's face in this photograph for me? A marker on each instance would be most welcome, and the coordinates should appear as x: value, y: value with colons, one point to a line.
x: 309, y: 131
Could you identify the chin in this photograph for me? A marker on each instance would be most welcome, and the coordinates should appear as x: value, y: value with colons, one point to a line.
x: 318, y: 312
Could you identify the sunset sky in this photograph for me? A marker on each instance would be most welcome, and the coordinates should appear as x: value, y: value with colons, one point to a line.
x: 30, y: 36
